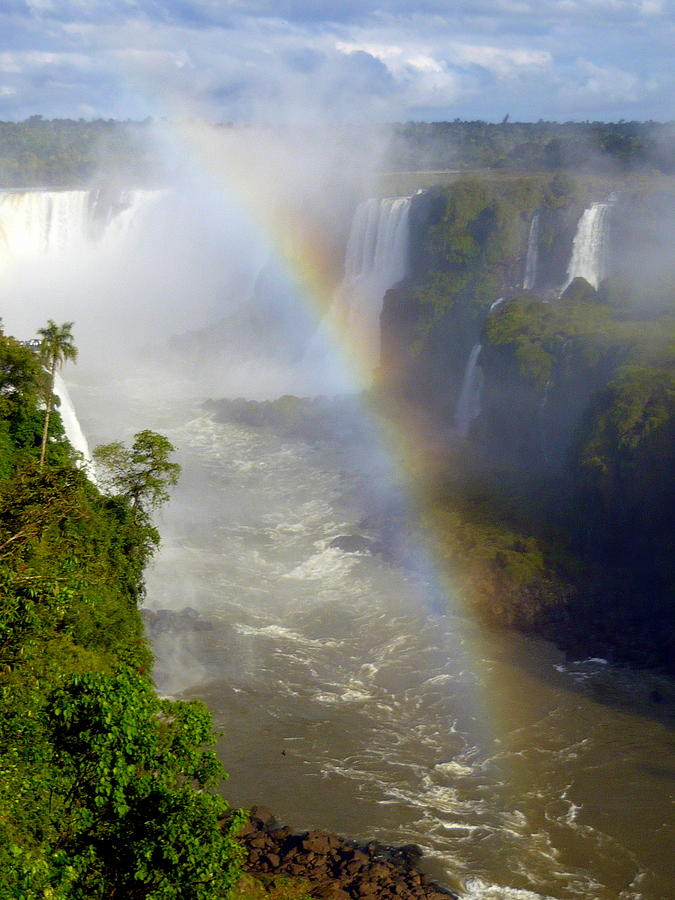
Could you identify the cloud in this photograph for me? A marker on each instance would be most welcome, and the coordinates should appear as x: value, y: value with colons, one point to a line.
x: 365, y: 59
x: 607, y: 84
x: 502, y: 62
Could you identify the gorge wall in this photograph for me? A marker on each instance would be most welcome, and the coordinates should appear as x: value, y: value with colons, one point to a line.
x: 535, y: 329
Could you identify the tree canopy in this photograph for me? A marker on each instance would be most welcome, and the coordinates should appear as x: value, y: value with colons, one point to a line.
x: 143, y: 473
x: 56, y: 347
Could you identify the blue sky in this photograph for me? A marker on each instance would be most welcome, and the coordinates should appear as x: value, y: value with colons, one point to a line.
x: 353, y: 60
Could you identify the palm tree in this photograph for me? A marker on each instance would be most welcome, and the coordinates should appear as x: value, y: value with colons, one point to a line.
x: 56, y: 347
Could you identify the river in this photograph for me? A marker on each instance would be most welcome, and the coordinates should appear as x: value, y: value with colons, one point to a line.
x: 347, y: 702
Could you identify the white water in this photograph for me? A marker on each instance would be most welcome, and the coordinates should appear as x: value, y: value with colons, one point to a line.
x: 468, y: 404
x: 347, y: 703
x: 521, y: 777
x: 532, y: 256
x: 590, y: 246
x: 72, y: 427
x: 376, y: 259
x: 38, y: 225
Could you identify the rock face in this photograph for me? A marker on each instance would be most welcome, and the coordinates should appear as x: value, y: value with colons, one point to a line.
x: 340, y: 869
x: 352, y: 543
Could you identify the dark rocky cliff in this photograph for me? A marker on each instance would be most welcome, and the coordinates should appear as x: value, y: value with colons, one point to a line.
x: 578, y: 392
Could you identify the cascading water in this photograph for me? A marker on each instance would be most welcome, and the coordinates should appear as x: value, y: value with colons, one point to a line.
x: 343, y: 701
x: 468, y: 405
x: 54, y: 225
x: 590, y: 246
x: 532, y: 255
x: 72, y: 427
x: 376, y: 259
x: 35, y: 225
x: 38, y: 224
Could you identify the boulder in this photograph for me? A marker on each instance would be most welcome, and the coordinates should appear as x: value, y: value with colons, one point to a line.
x: 352, y: 543
x: 173, y: 620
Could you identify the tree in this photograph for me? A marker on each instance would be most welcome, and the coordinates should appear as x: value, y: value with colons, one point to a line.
x: 142, y: 473
x: 56, y: 348
x: 130, y: 807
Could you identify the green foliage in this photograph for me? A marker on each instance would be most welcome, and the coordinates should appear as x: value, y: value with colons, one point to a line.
x: 126, y: 764
x: 560, y: 186
x: 498, y: 570
x: 107, y: 790
x: 533, y: 146
x: 56, y: 347
x: 625, y: 455
x: 141, y: 473
x: 576, y: 406
x: 65, y: 152
x: 272, y: 887
x: 472, y: 252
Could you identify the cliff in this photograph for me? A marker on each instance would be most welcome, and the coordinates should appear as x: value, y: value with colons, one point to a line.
x: 536, y: 330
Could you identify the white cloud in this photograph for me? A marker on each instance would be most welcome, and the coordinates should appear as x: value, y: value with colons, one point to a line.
x: 389, y: 58
x: 608, y: 83
x: 422, y: 79
x: 6, y: 91
x: 502, y: 62
x: 8, y: 63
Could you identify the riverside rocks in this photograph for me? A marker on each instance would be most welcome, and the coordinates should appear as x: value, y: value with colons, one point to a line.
x: 172, y: 620
x: 338, y: 868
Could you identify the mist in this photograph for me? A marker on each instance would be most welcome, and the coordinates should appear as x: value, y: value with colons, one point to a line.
x: 244, y: 235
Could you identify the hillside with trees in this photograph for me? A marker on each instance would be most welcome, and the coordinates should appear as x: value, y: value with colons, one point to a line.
x: 108, y: 790
x: 556, y: 508
x: 71, y: 153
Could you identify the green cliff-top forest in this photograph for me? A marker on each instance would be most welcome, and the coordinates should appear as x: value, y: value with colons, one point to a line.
x: 108, y: 790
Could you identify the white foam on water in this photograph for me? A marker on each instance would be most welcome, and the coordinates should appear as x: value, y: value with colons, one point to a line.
x: 454, y: 768
x: 477, y: 889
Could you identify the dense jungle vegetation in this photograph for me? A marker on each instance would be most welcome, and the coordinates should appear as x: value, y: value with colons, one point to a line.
x: 556, y: 513
x: 68, y: 152
x: 107, y: 789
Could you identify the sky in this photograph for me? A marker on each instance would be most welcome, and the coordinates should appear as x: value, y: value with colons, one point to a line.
x: 346, y: 60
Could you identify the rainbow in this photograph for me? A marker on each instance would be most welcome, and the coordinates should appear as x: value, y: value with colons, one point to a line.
x: 413, y: 449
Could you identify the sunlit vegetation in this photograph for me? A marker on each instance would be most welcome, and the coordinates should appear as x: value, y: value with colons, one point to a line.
x: 557, y: 516
x: 69, y: 152
x: 534, y: 146
x: 107, y: 790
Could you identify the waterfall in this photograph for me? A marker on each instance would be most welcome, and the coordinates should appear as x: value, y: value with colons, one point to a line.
x: 38, y: 224
x: 468, y: 405
x: 72, y: 427
x: 589, y: 249
x: 532, y: 255
x: 375, y: 260
x: 48, y: 224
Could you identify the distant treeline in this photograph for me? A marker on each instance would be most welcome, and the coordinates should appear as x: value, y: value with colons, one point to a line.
x: 68, y: 152
x: 599, y: 147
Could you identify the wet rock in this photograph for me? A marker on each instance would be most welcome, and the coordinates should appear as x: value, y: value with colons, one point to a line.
x: 339, y: 869
x: 352, y: 543
x: 262, y: 816
x: 318, y: 842
x: 172, y: 620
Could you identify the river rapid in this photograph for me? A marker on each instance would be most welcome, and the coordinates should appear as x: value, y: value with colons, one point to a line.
x: 348, y: 702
